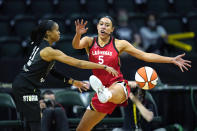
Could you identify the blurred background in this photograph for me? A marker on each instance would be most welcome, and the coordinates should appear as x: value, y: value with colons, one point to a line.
x: 166, y: 27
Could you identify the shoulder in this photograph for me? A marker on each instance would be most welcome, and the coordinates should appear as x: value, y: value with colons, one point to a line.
x: 121, y: 44
x: 46, y: 51
x: 88, y: 39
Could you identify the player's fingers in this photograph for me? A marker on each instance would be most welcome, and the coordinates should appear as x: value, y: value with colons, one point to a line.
x: 86, y: 22
x: 187, y: 64
x: 187, y: 61
x: 110, y: 72
x: 182, y: 55
x: 113, y: 73
x: 77, y: 21
x: 185, y: 67
x: 85, y: 86
x: 116, y: 73
x: 135, y: 84
x: 82, y: 22
x: 86, y: 82
x: 80, y: 90
x: 181, y: 68
x: 86, y: 29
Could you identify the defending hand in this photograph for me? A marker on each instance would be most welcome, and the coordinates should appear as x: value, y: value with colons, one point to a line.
x: 132, y: 84
x: 111, y: 70
x: 80, y: 27
x: 181, y: 63
x: 81, y: 85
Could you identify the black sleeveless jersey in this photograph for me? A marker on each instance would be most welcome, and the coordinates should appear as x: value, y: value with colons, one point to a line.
x: 36, y: 69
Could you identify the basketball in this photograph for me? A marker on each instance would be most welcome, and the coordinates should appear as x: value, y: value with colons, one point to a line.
x: 146, y: 77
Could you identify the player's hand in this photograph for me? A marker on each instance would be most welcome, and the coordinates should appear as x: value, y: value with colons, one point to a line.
x: 132, y: 84
x: 80, y: 27
x: 81, y: 85
x: 181, y: 63
x: 111, y: 71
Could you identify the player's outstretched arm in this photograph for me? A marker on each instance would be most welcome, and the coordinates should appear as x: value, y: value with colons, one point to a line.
x: 181, y: 63
x: 77, y: 42
x: 49, y: 54
x: 147, y: 114
x: 151, y: 57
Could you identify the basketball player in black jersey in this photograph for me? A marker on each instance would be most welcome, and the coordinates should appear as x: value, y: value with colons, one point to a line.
x: 40, y: 64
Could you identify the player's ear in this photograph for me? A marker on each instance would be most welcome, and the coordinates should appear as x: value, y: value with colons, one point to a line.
x: 47, y: 34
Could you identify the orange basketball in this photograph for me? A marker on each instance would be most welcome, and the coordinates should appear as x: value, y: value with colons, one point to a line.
x: 146, y: 77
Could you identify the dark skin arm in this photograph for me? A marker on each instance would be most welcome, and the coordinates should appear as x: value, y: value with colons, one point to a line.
x: 50, y: 54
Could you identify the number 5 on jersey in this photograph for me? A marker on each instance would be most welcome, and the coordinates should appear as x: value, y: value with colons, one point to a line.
x: 101, y: 61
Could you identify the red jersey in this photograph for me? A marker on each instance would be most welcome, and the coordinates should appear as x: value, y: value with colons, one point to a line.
x: 107, y: 55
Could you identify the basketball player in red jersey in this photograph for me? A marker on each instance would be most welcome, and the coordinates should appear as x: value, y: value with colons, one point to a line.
x: 105, y: 49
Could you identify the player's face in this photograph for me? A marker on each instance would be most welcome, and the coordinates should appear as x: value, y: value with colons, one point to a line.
x: 105, y: 27
x: 54, y: 34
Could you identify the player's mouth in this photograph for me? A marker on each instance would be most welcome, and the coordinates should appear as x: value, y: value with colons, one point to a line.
x: 103, y: 32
